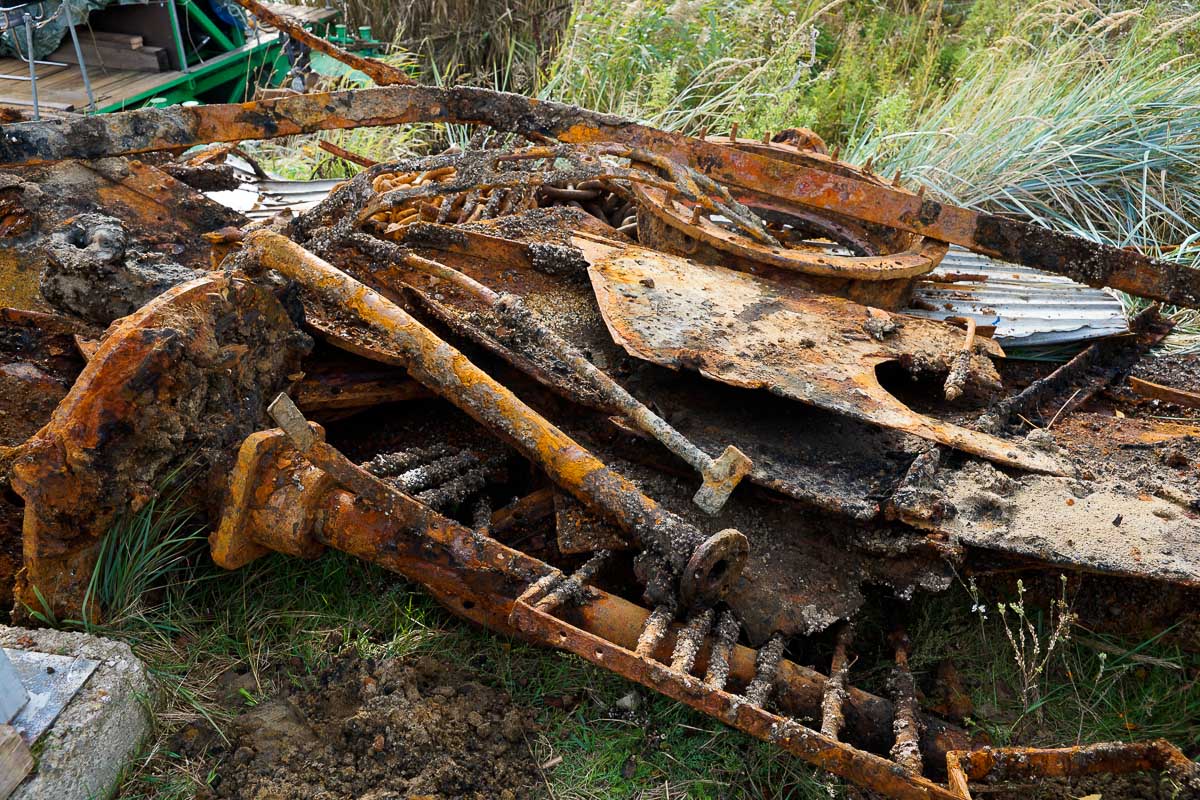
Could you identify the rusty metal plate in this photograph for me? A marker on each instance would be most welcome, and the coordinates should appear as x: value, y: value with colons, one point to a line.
x: 1106, y: 527
x: 748, y: 332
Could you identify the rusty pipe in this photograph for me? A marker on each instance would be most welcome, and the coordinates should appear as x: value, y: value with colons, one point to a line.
x: 811, y: 184
x: 706, y: 567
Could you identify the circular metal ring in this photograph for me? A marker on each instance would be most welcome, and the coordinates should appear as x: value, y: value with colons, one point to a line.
x: 715, y: 566
x: 880, y: 254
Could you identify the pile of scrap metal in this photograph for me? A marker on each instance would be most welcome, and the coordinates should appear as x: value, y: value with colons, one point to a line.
x: 592, y: 384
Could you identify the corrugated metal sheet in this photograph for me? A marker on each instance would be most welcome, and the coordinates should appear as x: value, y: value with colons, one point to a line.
x: 1026, y: 306
x: 259, y: 199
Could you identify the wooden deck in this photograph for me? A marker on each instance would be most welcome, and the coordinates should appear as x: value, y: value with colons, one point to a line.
x: 61, y: 88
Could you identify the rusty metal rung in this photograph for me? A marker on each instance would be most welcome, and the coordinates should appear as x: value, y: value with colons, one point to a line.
x: 572, y: 587
x: 832, y: 702
x: 766, y: 667
x: 481, y: 514
x: 689, y: 639
x: 460, y: 488
x: 907, y: 723
x: 654, y: 630
x: 539, y: 588
x: 728, y: 629
x: 434, y: 473
x: 386, y: 465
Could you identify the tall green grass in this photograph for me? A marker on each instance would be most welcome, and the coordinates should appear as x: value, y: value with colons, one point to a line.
x: 144, y: 556
x: 1079, y: 116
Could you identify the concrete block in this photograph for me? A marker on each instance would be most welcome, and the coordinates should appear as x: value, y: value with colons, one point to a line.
x: 82, y: 754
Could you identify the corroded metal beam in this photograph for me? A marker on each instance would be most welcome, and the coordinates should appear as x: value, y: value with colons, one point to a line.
x: 381, y: 72
x: 148, y: 130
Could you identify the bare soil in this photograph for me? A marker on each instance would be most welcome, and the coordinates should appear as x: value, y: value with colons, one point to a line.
x: 393, y: 729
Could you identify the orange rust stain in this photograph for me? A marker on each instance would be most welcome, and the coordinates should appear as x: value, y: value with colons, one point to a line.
x: 19, y: 274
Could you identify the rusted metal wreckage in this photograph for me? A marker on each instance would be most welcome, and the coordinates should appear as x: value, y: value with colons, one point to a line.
x: 526, y: 357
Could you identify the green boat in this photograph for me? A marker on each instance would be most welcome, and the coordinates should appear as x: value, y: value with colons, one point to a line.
x: 92, y: 57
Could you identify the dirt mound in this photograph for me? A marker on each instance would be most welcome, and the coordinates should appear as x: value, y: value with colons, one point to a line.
x: 378, y: 731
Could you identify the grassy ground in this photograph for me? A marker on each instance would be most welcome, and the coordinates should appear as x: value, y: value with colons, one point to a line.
x: 192, y: 622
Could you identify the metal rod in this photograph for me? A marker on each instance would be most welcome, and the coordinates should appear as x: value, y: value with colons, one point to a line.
x: 832, y: 715
x: 706, y: 567
x: 720, y: 475
x: 178, y: 36
x: 688, y: 641
x: 719, y: 654
x: 907, y: 724
x: 83, y: 73
x: 766, y: 669
x: 653, y: 631
x: 28, y: 22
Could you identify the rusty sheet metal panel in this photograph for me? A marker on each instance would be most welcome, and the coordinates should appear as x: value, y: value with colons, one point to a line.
x: 1109, y: 529
x: 1025, y: 305
x: 1133, y: 508
x: 747, y: 332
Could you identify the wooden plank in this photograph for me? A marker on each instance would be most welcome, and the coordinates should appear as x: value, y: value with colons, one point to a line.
x: 127, y: 40
x: 15, y: 760
x: 27, y: 101
x: 152, y: 23
x: 101, y: 54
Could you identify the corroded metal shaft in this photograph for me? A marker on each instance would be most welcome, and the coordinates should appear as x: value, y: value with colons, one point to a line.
x: 721, y: 475
x: 706, y: 566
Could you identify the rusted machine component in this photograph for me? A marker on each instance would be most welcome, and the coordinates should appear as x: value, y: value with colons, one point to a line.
x: 182, y: 378
x: 883, y: 280
x: 487, y: 581
x: 148, y: 130
x: 879, y: 270
x: 706, y: 567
